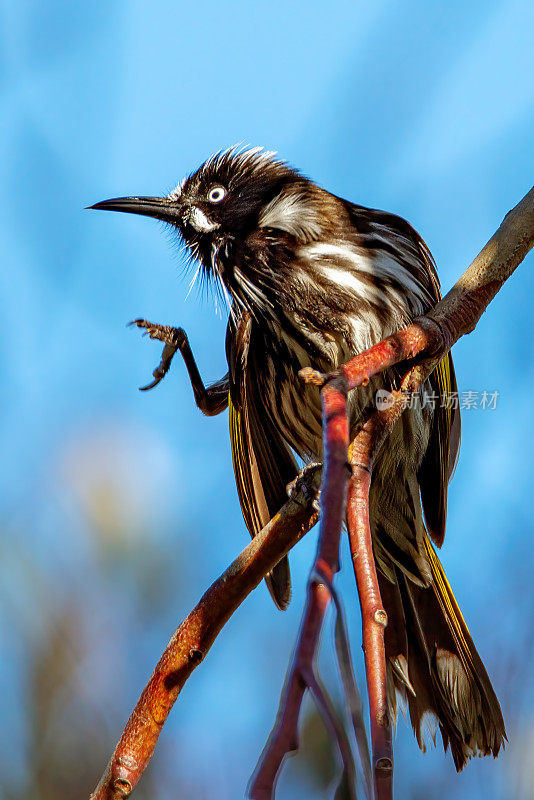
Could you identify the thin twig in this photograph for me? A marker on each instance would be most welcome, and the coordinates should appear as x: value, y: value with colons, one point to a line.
x: 363, y: 451
x: 284, y: 736
x: 284, y: 740
x: 337, y: 731
x: 350, y: 687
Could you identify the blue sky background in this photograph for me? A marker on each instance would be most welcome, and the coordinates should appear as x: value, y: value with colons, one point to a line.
x: 118, y: 507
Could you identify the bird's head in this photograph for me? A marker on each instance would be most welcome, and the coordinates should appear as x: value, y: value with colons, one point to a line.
x: 231, y: 194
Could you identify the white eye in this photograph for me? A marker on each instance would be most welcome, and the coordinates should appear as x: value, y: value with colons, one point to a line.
x: 216, y: 194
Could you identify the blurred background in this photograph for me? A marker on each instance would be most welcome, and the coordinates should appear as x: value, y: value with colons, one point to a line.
x: 118, y: 508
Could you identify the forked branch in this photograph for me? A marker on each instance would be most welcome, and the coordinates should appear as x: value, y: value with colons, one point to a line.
x: 284, y: 737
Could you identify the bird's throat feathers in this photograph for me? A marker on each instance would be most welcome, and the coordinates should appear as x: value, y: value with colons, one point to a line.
x: 265, y: 211
x: 259, y: 267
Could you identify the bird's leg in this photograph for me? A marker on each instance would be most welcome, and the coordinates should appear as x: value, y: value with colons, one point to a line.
x: 210, y: 399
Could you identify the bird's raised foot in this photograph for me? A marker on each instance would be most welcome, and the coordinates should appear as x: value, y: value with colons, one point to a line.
x: 173, y: 338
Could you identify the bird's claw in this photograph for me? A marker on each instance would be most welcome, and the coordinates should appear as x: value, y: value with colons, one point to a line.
x: 158, y: 374
x: 176, y: 337
x: 173, y: 338
x: 305, y: 482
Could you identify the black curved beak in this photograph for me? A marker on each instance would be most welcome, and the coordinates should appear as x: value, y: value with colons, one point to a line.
x: 157, y: 207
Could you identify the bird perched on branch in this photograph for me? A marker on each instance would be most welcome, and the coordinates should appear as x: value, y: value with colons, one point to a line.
x: 311, y: 280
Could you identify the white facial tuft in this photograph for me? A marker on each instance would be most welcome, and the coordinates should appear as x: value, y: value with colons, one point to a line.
x: 200, y: 221
x: 294, y: 214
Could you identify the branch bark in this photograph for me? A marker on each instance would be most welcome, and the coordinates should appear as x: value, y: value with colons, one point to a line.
x: 363, y: 452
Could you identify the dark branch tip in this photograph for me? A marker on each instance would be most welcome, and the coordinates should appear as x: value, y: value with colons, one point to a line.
x: 384, y: 765
x: 381, y: 618
x: 195, y: 656
x: 123, y: 786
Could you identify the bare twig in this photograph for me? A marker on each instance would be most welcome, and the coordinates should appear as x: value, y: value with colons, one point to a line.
x: 197, y: 633
x: 374, y: 619
x: 284, y: 739
x: 354, y: 707
x: 284, y: 736
x: 336, y: 729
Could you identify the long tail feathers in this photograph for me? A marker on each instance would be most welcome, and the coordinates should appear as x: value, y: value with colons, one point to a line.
x: 433, y: 664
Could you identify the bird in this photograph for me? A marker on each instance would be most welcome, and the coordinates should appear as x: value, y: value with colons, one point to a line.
x: 310, y: 280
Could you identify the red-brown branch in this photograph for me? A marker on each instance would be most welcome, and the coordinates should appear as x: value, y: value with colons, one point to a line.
x: 197, y: 633
x: 374, y: 619
x: 284, y: 736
